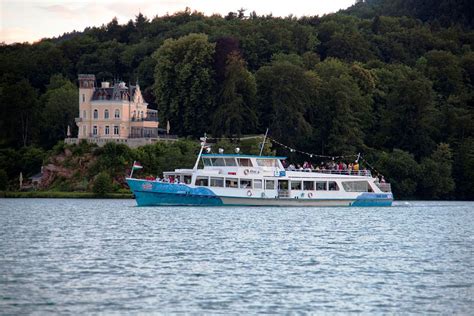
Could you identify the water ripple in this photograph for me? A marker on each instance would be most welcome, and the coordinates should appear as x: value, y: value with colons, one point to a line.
x: 108, y: 256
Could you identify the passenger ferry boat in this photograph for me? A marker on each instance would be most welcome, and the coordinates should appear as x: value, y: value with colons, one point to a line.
x: 237, y: 180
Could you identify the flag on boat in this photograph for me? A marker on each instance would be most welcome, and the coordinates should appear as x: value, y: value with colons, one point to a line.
x: 137, y: 165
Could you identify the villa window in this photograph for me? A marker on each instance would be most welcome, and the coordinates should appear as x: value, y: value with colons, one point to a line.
x: 84, y: 114
x: 83, y: 98
x: 116, y: 130
x: 84, y: 130
x: 106, y: 114
x: 94, y: 130
x: 96, y: 114
x: 107, y: 130
x: 117, y: 113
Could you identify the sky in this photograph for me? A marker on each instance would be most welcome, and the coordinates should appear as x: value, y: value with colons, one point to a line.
x: 31, y: 20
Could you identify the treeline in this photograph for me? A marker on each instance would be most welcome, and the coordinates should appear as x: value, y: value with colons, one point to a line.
x: 397, y: 88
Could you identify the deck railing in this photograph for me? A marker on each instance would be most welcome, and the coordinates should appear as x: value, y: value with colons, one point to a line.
x: 363, y: 173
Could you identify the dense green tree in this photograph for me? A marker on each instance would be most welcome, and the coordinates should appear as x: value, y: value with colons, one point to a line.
x: 286, y: 94
x: 235, y: 113
x: 402, y: 171
x: 184, y: 83
x: 20, y: 113
x: 343, y: 111
x: 59, y: 110
x: 437, y: 181
x: 406, y: 111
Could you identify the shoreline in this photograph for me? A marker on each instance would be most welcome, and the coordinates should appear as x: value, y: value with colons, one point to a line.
x: 62, y: 195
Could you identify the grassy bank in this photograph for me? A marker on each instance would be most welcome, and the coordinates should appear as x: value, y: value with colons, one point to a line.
x: 64, y: 195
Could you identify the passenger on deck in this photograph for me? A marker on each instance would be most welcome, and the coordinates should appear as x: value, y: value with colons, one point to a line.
x: 356, y: 167
x: 291, y: 167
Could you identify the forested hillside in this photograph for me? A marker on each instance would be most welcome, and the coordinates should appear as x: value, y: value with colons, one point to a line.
x: 390, y: 79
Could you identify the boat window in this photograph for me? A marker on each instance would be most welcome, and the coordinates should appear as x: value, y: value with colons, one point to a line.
x: 266, y: 163
x: 207, y: 162
x: 245, y: 162
x: 296, y: 185
x: 230, y: 162
x: 245, y: 183
x: 231, y: 183
x: 187, y: 179
x: 270, y: 184
x: 218, y: 162
x: 217, y: 182
x: 321, y: 186
x: 202, y: 181
x: 257, y: 184
x: 333, y: 186
x: 355, y: 186
x: 308, y: 185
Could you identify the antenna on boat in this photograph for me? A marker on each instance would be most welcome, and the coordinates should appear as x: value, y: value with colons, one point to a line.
x: 203, y: 144
x: 263, y: 144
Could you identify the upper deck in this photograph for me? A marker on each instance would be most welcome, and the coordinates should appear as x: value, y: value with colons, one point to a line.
x: 236, y: 162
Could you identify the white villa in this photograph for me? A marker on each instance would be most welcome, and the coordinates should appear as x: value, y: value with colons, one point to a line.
x: 115, y: 113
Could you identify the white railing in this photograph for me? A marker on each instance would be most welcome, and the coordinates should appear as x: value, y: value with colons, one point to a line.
x: 363, y: 173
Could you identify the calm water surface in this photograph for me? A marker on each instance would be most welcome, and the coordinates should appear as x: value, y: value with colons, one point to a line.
x: 109, y: 256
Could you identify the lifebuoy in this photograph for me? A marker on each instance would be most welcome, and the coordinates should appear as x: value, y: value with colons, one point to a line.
x: 246, y: 171
x: 249, y: 193
x: 310, y: 195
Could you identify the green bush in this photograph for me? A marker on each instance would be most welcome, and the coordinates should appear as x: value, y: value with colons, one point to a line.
x: 102, y: 184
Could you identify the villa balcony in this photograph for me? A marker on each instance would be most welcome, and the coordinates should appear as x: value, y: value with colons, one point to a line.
x: 78, y: 119
x: 144, y: 119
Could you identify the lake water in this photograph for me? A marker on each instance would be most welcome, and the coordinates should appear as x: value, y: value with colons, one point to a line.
x: 109, y: 256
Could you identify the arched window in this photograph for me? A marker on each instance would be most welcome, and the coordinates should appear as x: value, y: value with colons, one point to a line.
x: 106, y: 114
x: 107, y: 130
x: 94, y: 130
x: 84, y: 114
x: 117, y: 113
x: 96, y: 114
x: 84, y: 130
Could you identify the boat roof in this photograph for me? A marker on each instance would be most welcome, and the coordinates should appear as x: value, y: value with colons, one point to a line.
x: 240, y: 156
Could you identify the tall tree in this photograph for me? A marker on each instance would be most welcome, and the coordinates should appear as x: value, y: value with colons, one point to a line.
x: 184, y: 85
x: 235, y: 113
x: 287, y: 93
x: 59, y: 110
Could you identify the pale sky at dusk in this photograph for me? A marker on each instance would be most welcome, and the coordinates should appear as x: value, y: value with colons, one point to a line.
x: 31, y: 20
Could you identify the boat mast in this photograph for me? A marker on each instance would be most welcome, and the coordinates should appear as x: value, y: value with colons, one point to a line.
x: 263, y: 144
x: 203, y: 144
